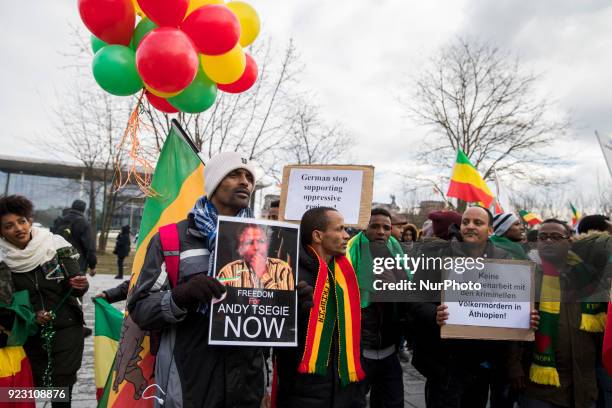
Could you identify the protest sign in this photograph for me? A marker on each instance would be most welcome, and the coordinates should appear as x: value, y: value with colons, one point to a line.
x: 345, y: 188
x: 493, y: 303
x: 257, y: 262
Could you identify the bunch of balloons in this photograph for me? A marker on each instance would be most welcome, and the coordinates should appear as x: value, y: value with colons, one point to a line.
x: 181, y: 51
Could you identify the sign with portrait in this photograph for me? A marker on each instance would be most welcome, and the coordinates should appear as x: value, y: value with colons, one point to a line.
x: 257, y: 262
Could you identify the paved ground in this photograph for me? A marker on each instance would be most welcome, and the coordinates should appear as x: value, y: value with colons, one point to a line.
x: 85, y: 389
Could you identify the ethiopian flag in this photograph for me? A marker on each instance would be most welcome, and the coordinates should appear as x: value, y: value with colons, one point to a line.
x: 177, y: 183
x: 107, y: 331
x: 15, y: 369
x: 530, y: 218
x: 575, y: 214
x: 466, y: 183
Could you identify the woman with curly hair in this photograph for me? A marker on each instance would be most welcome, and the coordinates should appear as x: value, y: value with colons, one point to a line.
x: 46, y: 266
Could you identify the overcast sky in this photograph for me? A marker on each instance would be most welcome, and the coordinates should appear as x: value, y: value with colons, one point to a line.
x: 359, y: 57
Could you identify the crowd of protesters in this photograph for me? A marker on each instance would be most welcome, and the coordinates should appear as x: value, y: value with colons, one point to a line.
x: 43, y: 275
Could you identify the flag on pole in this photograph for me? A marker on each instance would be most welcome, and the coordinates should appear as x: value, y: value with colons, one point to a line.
x: 575, y: 215
x: 502, y: 203
x: 467, y: 184
x: 177, y: 183
x: 497, y: 209
x: 605, y: 142
x: 530, y: 218
x: 107, y: 331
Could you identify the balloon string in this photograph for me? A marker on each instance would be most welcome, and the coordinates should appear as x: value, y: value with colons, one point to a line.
x: 139, y: 170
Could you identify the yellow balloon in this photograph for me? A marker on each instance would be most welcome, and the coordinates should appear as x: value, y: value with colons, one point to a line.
x: 196, y: 4
x: 137, y: 8
x: 249, y: 21
x: 164, y: 95
x: 226, y: 68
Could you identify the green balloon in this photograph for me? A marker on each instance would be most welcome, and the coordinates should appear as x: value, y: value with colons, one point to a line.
x: 114, y: 68
x: 142, y: 28
x: 198, y: 96
x: 96, y: 44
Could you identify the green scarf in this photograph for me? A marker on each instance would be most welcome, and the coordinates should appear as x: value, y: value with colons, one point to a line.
x: 358, y: 252
x: 515, y: 250
x: 543, y: 369
x: 24, y: 324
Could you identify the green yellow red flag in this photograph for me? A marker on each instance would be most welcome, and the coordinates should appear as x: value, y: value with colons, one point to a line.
x: 530, y: 218
x: 466, y: 183
x: 575, y: 214
x: 107, y: 331
x: 177, y: 183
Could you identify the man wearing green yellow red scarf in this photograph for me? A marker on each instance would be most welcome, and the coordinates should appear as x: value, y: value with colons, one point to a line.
x: 325, y: 369
x: 562, y: 364
x: 380, y: 321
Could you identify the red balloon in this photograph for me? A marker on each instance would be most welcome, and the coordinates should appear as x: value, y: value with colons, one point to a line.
x: 214, y: 29
x: 167, y: 60
x: 165, y: 12
x: 246, y: 81
x: 160, y: 104
x: 112, y: 21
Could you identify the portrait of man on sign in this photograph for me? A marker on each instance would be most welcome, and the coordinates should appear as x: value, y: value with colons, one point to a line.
x: 254, y: 269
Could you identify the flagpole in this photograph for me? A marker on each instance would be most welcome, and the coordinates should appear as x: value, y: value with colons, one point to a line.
x: 186, y: 137
x: 603, y: 151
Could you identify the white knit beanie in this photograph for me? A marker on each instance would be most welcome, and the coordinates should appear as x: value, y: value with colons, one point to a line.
x: 220, y: 166
x: 503, y: 222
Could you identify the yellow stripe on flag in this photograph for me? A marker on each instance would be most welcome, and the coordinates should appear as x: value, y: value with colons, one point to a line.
x: 104, y: 350
x: 10, y: 360
x: 177, y: 210
x: 464, y: 173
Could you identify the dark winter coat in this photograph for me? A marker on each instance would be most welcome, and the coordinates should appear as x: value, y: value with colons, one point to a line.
x: 436, y: 357
x: 118, y: 293
x: 297, y: 390
x: 81, y: 238
x: 55, y: 295
x: 122, y: 245
x: 382, y: 322
x: 191, y: 372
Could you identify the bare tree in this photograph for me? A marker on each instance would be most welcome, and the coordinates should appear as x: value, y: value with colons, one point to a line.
x: 311, y: 141
x: 89, y: 124
x: 477, y: 98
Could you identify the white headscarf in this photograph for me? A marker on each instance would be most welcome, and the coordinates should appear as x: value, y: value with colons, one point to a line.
x: 42, y: 248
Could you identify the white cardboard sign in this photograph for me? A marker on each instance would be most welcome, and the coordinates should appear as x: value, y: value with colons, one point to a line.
x: 309, y: 188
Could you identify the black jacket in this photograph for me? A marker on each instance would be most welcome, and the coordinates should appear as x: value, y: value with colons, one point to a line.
x: 191, y: 372
x: 81, y: 238
x: 382, y: 322
x: 297, y: 390
x: 118, y: 293
x: 122, y: 245
x: 436, y: 357
x: 48, y: 295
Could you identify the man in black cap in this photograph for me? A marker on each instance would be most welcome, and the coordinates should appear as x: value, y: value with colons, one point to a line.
x: 75, y: 228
